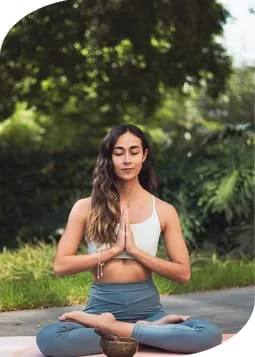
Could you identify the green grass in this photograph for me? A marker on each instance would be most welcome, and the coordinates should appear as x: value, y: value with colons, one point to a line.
x: 211, y: 277
x: 27, y: 280
x: 44, y: 292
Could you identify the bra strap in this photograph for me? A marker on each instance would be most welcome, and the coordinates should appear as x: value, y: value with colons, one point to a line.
x: 153, y: 204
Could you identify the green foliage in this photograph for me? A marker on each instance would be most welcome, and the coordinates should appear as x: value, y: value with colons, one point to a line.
x: 241, y: 97
x: 111, y: 55
x: 236, y: 104
x: 21, y: 130
x: 204, y: 164
x: 227, y: 186
x: 210, y: 277
x: 27, y: 281
x: 212, y: 187
x: 241, y: 236
x: 44, y: 292
x: 38, y: 189
x: 29, y: 262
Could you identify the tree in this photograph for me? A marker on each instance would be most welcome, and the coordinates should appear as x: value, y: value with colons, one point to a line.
x: 236, y: 104
x: 104, y: 57
x: 207, y: 170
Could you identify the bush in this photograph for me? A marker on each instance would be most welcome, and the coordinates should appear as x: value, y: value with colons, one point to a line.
x: 212, y: 190
x: 38, y: 189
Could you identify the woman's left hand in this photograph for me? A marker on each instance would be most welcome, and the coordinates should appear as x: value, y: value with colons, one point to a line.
x: 130, y: 243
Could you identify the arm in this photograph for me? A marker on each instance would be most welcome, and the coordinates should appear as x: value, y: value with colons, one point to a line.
x: 178, y: 268
x: 66, y: 261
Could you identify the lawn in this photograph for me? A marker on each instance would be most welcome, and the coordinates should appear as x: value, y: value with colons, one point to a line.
x: 27, y: 280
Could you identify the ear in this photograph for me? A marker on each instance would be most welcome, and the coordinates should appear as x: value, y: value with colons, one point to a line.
x: 146, y: 152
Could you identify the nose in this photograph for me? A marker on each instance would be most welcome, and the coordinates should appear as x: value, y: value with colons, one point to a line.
x: 126, y: 158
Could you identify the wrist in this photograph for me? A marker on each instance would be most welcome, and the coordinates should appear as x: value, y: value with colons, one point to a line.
x: 116, y: 250
x: 132, y: 250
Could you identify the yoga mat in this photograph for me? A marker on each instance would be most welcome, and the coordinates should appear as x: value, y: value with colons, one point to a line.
x: 25, y: 346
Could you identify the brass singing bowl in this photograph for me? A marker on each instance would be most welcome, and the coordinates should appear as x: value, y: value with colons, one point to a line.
x: 119, y: 347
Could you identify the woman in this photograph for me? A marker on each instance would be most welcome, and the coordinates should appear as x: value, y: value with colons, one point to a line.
x: 122, y: 222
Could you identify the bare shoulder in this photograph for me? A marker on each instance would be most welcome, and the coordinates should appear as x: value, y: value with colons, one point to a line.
x: 164, y: 207
x: 83, y: 203
x: 81, y: 207
x: 166, y: 212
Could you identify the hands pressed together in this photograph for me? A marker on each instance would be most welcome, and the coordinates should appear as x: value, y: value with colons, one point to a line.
x: 124, y: 242
x: 125, y: 237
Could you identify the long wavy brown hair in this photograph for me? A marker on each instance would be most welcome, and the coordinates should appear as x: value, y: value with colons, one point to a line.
x: 105, y: 206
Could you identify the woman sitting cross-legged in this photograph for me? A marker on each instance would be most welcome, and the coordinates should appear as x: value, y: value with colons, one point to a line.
x: 122, y: 221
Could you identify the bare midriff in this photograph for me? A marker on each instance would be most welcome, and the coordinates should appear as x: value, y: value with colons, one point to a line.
x: 123, y: 271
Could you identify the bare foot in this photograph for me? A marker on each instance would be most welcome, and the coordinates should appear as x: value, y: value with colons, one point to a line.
x: 89, y: 320
x: 169, y: 319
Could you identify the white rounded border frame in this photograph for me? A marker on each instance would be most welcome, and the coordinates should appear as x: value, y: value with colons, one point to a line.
x: 241, y: 344
x: 12, y: 11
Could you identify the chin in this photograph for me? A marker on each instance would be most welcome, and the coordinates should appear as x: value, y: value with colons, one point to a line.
x: 127, y: 177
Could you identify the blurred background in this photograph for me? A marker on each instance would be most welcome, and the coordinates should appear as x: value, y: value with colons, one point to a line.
x: 184, y: 72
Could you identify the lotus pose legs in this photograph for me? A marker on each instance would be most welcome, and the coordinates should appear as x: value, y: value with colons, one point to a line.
x: 121, y: 223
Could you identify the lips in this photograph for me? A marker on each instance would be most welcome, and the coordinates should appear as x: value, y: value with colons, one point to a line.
x: 127, y: 170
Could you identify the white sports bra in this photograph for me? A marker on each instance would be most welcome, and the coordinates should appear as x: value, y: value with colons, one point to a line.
x: 146, y: 236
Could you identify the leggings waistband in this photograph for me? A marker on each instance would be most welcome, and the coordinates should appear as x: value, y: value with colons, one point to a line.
x: 126, y: 301
x: 129, y: 286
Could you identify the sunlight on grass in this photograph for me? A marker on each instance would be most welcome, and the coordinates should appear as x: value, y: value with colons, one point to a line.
x: 27, y: 280
x: 30, y: 261
x: 233, y: 274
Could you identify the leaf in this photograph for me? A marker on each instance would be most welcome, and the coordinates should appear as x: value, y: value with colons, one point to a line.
x: 226, y: 188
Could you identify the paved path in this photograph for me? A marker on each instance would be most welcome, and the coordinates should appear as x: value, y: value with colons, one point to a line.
x: 230, y: 309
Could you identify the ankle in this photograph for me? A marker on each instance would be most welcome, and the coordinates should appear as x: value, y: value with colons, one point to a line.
x: 108, y: 325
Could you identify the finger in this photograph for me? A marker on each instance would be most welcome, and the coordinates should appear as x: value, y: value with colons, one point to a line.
x: 122, y: 221
x: 128, y: 226
x: 120, y: 232
x: 185, y: 318
x: 62, y: 317
x: 123, y: 217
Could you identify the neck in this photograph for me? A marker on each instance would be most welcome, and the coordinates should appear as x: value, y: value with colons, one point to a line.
x: 130, y: 190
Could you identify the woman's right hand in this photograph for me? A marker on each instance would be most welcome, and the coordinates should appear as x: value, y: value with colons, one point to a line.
x: 121, y: 234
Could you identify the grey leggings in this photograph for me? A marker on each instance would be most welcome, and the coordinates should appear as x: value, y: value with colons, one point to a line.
x: 128, y: 302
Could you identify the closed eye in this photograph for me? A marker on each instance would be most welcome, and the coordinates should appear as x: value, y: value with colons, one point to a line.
x: 121, y: 153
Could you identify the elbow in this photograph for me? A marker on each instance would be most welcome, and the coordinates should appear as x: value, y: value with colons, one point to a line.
x: 58, y: 269
x: 185, y: 277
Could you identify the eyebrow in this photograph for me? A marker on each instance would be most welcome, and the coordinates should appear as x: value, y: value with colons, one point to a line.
x: 131, y: 147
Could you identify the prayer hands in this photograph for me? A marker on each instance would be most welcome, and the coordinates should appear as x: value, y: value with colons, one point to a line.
x: 121, y: 236
x: 125, y: 236
x: 130, y: 243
